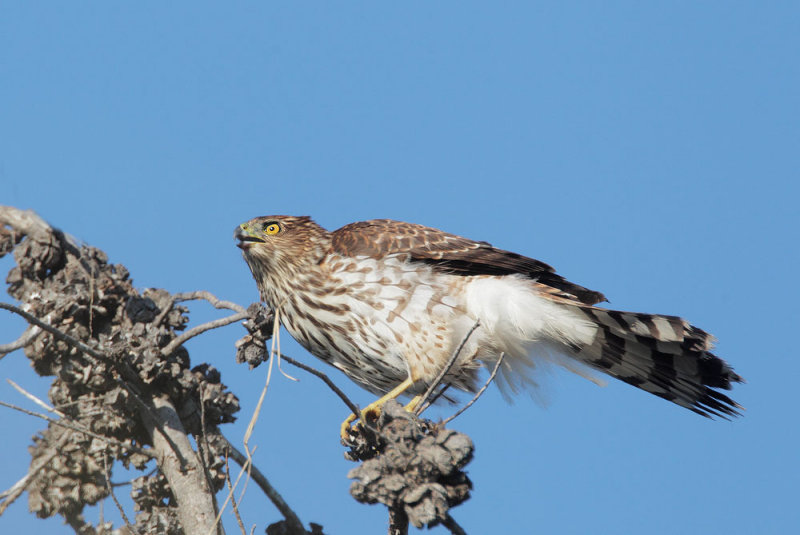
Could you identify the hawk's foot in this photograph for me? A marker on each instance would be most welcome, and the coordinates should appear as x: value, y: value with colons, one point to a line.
x: 373, y: 410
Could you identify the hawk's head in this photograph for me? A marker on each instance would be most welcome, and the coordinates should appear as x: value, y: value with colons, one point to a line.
x: 280, y: 242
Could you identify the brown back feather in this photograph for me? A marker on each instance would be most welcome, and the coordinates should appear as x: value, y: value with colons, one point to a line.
x: 448, y: 253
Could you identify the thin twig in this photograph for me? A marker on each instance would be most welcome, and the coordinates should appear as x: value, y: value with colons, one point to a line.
x: 230, y: 495
x: 24, y: 339
x: 262, y: 481
x: 200, y: 329
x: 101, y: 357
x: 246, y: 467
x: 256, y: 413
x: 10, y: 496
x: 479, y: 393
x: 446, y: 369
x: 248, y: 464
x: 123, y: 369
x: 439, y: 393
x: 107, y: 474
x: 80, y: 429
x: 453, y: 526
x: 130, y: 481
x: 77, y: 344
x: 211, y: 298
x: 350, y: 405
x: 166, y: 310
x: 105, y: 358
x: 233, y: 502
x: 35, y: 399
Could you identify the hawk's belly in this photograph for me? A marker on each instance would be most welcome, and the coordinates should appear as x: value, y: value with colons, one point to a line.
x: 379, y: 322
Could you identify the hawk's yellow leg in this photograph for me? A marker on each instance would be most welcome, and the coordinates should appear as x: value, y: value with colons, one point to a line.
x: 375, y: 406
x: 412, y: 405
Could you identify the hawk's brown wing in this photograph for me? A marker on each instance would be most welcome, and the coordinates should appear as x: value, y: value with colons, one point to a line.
x: 448, y: 252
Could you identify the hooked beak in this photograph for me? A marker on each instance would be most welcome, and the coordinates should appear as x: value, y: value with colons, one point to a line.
x: 245, y: 237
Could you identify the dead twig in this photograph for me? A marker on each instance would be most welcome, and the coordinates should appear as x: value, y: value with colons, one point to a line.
x: 25, y: 338
x: 97, y: 355
x: 211, y: 298
x: 77, y: 344
x: 24, y: 221
x: 231, y: 496
x: 350, y: 405
x: 198, y: 295
x: 251, y: 425
x: 9, y: 496
x: 453, y: 526
x: 200, y: 329
x: 35, y: 399
x: 125, y: 519
x: 479, y: 393
x: 130, y: 481
x: 80, y: 429
x: 446, y: 369
x: 234, y: 505
x: 262, y: 481
x: 439, y: 393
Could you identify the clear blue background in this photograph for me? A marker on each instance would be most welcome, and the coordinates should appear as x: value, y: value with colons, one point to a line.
x: 647, y: 150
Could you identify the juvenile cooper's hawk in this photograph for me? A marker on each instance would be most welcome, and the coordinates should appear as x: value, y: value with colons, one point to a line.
x: 388, y: 303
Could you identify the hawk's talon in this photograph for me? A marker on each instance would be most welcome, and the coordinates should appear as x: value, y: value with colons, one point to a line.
x: 344, y: 432
x: 373, y: 410
x: 348, y: 426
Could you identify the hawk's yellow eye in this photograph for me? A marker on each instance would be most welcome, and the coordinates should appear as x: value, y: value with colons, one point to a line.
x: 272, y: 228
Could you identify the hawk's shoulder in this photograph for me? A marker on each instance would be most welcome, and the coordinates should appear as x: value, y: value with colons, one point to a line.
x: 381, y: 237
x: 447, y: 252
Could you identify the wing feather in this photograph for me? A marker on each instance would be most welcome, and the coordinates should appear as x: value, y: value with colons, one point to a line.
x: 448, y: 253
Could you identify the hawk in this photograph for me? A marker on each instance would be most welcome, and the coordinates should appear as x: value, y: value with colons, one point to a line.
x: 388, y: 303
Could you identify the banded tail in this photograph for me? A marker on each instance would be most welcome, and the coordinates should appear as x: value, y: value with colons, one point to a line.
x: 663, y: 355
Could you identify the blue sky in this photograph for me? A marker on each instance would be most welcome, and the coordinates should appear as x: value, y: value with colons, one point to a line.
x: 646, y: 150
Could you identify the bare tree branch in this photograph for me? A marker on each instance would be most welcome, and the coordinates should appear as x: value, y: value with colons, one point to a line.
x: 234, y: 505
x: 80, y: 279
x: 398, y: 521
x: 453, y: 526
x: 479, y: 393
x: 262, y: 481
x: 187, y: 480
x: 77, y: 344
x: 35, y: 399
x: 131, y: 375
x: 350, y: 405
x: 211, y: 298
x: 25, y: 338
x: 125, y: 519
x: 25, y: 221
x: 10, y: 496
x: 80, y: 429
x: 200, y: 329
